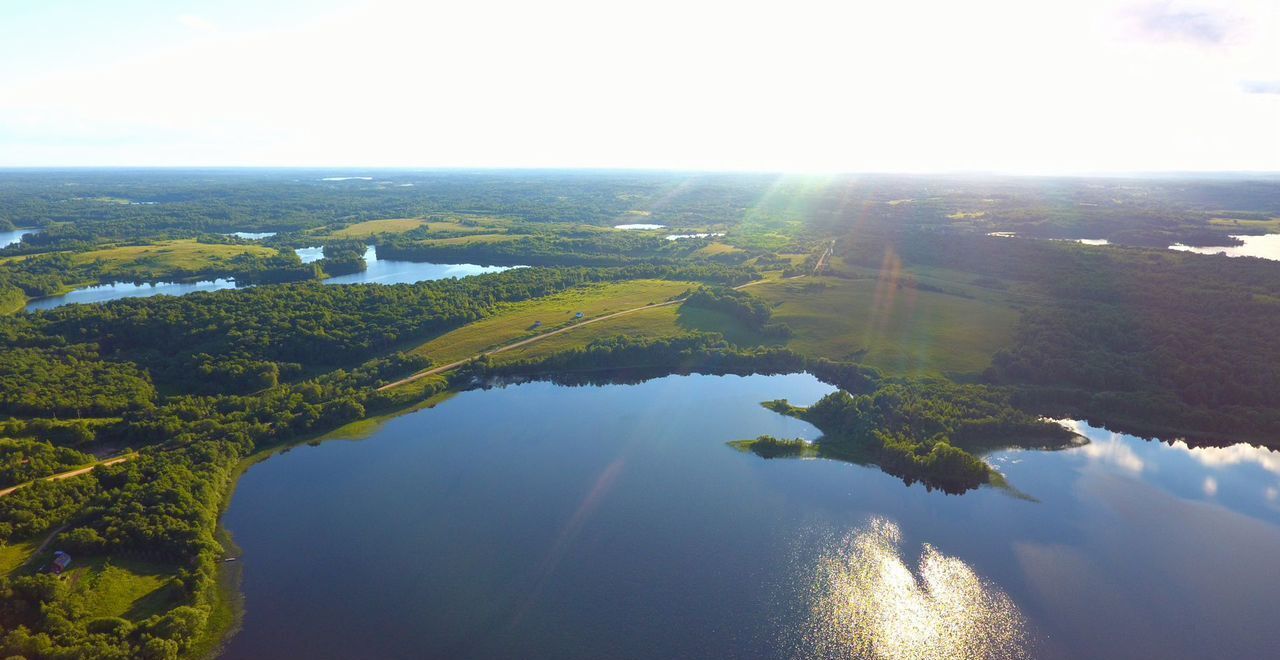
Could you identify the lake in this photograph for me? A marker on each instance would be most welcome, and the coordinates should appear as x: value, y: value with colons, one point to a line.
x: 116, y: 290
x: 252, y: 235
x: 1264, y: 247
x: 584, y: 522
x: 8, y: 238
x: 379, y: 271
x: 386, y: 271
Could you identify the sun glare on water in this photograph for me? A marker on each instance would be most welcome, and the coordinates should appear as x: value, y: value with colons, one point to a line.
x: 867, y: 603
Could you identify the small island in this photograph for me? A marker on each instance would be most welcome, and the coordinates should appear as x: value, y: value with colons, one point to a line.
x: 920, y: 431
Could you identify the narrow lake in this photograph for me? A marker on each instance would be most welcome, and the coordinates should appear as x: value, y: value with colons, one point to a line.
x: 116, y: 290
x: 585, y: 522
x: 379, y: 271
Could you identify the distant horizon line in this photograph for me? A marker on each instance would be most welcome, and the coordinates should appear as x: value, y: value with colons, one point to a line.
x: 356, y: 169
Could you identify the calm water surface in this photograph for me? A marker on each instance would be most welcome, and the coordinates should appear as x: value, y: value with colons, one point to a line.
x: 386, y: 271
x: 1265, y: 247
x: 379, y: 271
x: 8, y: 238
x: 116, y: 290
x: 547, y: 521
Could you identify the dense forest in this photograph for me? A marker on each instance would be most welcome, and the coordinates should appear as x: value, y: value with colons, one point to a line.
x: 1153, y: 341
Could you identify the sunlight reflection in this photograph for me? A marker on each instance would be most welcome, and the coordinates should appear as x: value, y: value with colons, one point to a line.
x: 867, y: 603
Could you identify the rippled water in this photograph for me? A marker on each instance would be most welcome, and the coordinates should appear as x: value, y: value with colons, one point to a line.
x: 586, y: 522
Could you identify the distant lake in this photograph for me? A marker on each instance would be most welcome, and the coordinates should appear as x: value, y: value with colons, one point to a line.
x: 587, y: 522
x: 386, y: 271
x: 1266, y: 247
x: 8, y: 238
x: 310, y: 254
x: 252, y: 236
x: 638, y: 226
x: 104, y: 292
x: 379, y: 271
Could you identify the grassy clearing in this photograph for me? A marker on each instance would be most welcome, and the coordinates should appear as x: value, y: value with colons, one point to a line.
x: 475, y: 238
x: 468, y: 225
x: 1271, y: 226
x: 177, y: 254
x: 900, y: 330
x: 387, y: 226
x: 516, y: 321
x: 712, y: 249
x: 14, y: 555
x: 118, y: 587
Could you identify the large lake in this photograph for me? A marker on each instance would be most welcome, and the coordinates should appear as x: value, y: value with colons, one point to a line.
x: 556, y: 522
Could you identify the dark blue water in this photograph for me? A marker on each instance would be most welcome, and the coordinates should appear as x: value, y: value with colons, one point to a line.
x: 540, y: 521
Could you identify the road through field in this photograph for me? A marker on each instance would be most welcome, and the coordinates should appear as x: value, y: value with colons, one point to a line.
x: 525, y: 342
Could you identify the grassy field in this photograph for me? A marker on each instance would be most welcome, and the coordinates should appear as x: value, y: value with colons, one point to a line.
x: 516, y: 321
x: 371, y: 227
x: 713, y: 249
x: 475, y: 238
x: 1271, y: 226
x: 900, y: 330
x: 480, y: 225
x: 651, y: 324
x: 184, y: 253
x: 125, y: 588
x: 119, y: 587
x: 14, y: 555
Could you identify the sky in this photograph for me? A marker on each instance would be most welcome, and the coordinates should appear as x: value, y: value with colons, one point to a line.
x: 1022, y: 86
